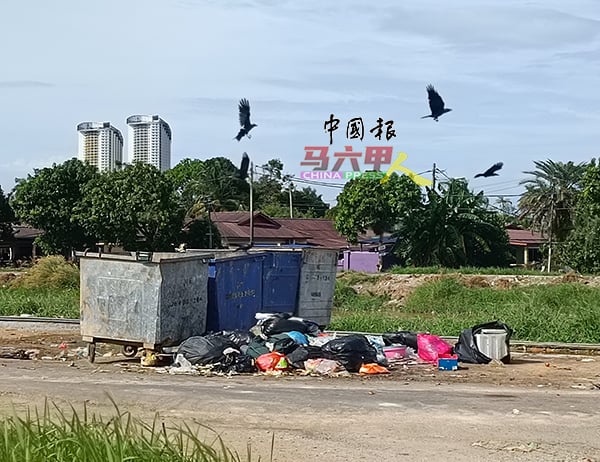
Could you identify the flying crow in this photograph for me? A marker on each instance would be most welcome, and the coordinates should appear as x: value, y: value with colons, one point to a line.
x: 436, y: 104
x: 242, y: 172
x: 491, y: 171
x: 244, y: 108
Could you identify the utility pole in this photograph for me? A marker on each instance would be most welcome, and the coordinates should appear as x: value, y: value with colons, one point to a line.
x: 433, y: 177
x: 210, y: 233
x: 291, y: 205
x: 550, y: 233
x: 251, y: 203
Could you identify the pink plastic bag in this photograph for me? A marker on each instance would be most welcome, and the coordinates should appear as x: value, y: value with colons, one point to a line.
x: 431, y: 347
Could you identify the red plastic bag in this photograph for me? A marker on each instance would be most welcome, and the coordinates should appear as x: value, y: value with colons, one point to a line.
x: 273, y: 361
x: 431, y: 347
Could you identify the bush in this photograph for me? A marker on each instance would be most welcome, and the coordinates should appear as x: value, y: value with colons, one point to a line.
x: 52, y: 272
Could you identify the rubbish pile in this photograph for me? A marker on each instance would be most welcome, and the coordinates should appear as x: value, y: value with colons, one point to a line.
x: 280, y: 343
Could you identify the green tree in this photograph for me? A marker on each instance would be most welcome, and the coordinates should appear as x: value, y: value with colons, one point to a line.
x: 453, y: 228
x: 7, y: 218
x: 197, y: 235
x: 219, y: 184
x: 272, y: 194
x: 136, y: 207
x: 186, y: 177
x: 308, y: 202
x: 581, y: 249
x: 367, y: 203
x: 46, y: 199
x: 550, y: 197
x: 268, y: 188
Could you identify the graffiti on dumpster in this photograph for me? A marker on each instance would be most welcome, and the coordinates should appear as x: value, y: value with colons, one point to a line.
x: 317, y: 277
x: 240, y: 294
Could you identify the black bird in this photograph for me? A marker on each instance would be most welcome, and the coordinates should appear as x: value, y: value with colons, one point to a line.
x: 491, y: 171
x: 242, y: 173
x: 436, y: 104
x: 244, y: 109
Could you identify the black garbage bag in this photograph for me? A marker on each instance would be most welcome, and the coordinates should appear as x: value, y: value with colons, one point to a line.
x: 402, y: 337
x: 238, y: 337
x: 238, y: 363
x: 280, y: 323
x: 205, y: 350
x: 351, y: 351
x: 282, y: 343
x: 297, y: 357
x: 466, y: 348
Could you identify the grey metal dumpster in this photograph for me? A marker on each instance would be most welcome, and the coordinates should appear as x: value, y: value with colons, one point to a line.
x: 317, y: 285
x: 152, y: 301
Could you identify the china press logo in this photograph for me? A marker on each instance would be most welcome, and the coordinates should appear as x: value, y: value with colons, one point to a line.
x: 375, y: 156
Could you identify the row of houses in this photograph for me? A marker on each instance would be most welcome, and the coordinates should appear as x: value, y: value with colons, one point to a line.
x: 234, y: 229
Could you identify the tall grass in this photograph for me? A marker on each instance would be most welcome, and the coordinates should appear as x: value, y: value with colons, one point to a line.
x: 52, y: 272
x: 49, y: 288
x: 68, y: 437
x: 566, y: 312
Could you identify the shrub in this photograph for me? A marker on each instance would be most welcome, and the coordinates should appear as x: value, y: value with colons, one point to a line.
x: 52, y: 272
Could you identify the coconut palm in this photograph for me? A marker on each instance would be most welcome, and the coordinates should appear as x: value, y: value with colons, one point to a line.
x: 550, y: 197
x: 454, y: 228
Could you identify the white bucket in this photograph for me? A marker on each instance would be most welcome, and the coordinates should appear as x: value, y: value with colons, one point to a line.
x: 492, y: 343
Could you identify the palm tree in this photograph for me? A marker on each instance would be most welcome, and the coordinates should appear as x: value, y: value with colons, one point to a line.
x: 454, y: 228
x: 550, y: 196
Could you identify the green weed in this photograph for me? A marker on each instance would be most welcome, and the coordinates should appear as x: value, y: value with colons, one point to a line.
x: 567, y: 312
x: 61, y: 436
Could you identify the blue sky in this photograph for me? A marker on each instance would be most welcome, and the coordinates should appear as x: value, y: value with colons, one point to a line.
x: 520, y: 76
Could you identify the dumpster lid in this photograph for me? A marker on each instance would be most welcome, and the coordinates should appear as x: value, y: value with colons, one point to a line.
x: 145, y: 257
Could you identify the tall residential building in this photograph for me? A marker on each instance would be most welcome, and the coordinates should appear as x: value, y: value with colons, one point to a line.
x: 100, y: 145
x: 149, y: 141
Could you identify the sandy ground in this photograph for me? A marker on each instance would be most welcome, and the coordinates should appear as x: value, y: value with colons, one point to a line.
x: 399, y: 286
x: 539, y: 407
x: 525, y: 369
x: 334, y: 419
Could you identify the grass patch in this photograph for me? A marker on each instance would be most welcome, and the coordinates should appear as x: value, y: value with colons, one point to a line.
x: 60, y: 303
x: 470, y: 270
x: 65, y: 437
x: 49, y: 289
x: 567, y: 312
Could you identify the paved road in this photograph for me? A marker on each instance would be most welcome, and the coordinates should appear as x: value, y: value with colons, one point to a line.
x: 331, y: 420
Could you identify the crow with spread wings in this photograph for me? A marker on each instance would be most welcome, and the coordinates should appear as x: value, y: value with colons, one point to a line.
x: 436, y: 104
x: 244, y: 109
x: 491, y: 171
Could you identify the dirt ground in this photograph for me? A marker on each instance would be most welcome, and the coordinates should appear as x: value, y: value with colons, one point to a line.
x: 524, y: 370
x: 538, y: 407
x: 399, y: 286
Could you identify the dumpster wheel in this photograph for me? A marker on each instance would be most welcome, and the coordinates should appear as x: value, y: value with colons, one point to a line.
x: 91, y: 352
x: 129, y: 351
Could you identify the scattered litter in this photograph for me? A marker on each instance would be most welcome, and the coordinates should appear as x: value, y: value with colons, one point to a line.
x: 431, y: 347
x: 373, y: 368
x: 579, y: 387
x: 322, y: 366
x: 273, y: 361
x: 447, y: 362
x: 516, y: 411
x: 587, y: 360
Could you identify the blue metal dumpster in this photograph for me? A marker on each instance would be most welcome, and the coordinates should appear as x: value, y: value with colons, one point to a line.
x: 281, y: 279
x: 234, y: 292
